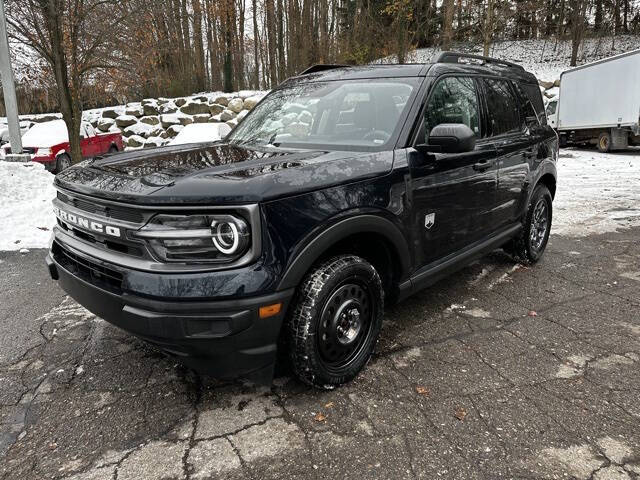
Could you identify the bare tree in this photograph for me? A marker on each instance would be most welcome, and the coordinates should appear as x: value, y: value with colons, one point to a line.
x: 73, y: 36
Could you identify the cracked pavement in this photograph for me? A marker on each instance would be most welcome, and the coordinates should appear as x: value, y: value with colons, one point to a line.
x: 499, y: 371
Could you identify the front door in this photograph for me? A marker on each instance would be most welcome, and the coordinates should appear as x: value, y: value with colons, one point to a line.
x: 453, y: 195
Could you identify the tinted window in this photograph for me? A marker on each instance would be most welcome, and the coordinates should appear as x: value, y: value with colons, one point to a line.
x: 504, y: 116
x: 453, y: 100
x: 530, y: 115
x: 535, y: 96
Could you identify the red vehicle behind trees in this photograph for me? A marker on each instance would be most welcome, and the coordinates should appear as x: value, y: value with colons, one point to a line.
x: 48, y: 143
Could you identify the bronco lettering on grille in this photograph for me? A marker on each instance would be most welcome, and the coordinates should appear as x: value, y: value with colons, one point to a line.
x: 86, y: 223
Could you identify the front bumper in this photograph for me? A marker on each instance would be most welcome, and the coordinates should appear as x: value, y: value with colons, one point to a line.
x: 224, y: 339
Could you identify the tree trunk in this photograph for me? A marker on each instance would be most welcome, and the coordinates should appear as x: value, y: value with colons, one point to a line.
x: 447, y: 27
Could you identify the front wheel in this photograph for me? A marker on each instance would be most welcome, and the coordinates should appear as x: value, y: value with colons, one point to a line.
x: 335, y: 322
x: 63, y: 161
x: 532, y: 241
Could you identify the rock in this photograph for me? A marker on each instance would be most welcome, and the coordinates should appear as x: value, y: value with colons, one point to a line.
x: 235, y: 105
x: 227, y: 115
x: 154, y: 142
x: 168, y: 108
x: 104, y: 124
x: 164, y: 134
x: 244, y: 94
x: 163, y: 100
x: 171, y: 119
x: 195, y: 108
x: 222, y: 100
x: 201, y: 118
x: 133, y: 109
x: 241, y: 115
x: 45, y: 118
x: 142, y: 130
x: 150, y: 120
x: 546, y: 85
x: 149, y: 101
x: 251, y: 102
x: 112, y: 112
x: 180, y: 101
x: 150, y: 109
x: 216, y: 109
x: 557, y: 83
x: 201, y: 98
x: 135, y: 141
x: 174, y: 130
x: 215, y: 119
x: 124, y: 121
x: 232, y: 123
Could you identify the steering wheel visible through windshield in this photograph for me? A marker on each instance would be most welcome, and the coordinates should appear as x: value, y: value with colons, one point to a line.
x: 349, y: 114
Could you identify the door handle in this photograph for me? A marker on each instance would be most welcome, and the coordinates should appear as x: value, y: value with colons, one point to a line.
x: 481, y: 166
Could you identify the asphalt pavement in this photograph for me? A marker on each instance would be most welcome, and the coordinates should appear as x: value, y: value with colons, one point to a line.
x: 499, y: 371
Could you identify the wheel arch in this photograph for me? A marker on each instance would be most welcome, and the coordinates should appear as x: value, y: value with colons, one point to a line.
x: 360, y: 235
x: 549, y: 181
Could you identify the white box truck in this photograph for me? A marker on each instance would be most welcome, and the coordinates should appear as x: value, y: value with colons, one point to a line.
x: 599, y: 104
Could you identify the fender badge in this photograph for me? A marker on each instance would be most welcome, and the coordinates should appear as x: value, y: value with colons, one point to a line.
x: 429, y: 220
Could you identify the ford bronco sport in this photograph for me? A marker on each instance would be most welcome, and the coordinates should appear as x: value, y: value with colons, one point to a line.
x: 346, y: 188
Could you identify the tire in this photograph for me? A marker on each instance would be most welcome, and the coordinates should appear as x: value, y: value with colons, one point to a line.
x: 63, y: 161
x: 604, y: 142
x: 113, y: 149
x: 335, y: 321
x: 531, y: 243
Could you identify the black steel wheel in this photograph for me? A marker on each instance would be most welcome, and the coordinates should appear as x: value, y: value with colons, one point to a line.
x: 335, y: 321
x: 532, y: 241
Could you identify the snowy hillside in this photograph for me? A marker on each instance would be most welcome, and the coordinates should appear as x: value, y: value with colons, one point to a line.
x: 547, y: 59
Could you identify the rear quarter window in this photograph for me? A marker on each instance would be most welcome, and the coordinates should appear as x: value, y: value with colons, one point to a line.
x: 535, y: 97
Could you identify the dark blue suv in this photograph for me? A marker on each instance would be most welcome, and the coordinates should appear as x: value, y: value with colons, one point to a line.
x: 346, y: 188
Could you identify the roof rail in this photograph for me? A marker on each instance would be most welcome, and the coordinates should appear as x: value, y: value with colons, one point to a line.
x: 455, y: 57
x: 321, y: 68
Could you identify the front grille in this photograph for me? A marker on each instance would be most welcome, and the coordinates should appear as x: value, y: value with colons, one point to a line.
x: 29, y: 150
x: 108, y: 211
x: 102, y: 277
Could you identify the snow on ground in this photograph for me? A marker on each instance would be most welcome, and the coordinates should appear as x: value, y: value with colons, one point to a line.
x: 597, y: 192
x: 26, y: 217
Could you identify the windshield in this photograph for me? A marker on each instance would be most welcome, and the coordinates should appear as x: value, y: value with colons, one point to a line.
x: 356, y: 114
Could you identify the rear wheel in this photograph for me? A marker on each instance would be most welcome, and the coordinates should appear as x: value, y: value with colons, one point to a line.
x: 335, y: 322
x: 530, y: 245
x: 63, y: 161
x: 604, y: 142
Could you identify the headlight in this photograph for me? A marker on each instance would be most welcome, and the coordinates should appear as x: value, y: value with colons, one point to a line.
x: 43, y: 152
x: 197, y: 238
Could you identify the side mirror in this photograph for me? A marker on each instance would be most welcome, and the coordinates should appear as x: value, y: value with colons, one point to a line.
x: 450, y: 138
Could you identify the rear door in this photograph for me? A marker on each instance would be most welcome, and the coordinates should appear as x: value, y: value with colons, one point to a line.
x: 453, y: 195
x: 514, y: 145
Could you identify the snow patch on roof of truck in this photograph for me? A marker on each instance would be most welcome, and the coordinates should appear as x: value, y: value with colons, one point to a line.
x: 46, y: 134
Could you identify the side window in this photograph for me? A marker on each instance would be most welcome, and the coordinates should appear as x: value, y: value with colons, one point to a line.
x: 83, y: 130
x: 530, y: 117
x: 551, y: 108
x: 453, y: 100
x: 504, y: 116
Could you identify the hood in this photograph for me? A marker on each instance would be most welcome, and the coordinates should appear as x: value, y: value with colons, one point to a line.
x: 218, y: 174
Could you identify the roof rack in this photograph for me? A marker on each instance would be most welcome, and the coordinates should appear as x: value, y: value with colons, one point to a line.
x: 322, y: 68
x: 456, y: 57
